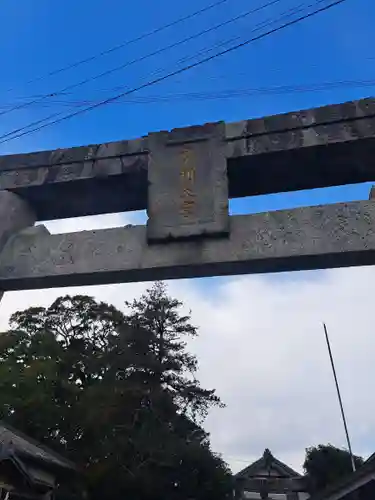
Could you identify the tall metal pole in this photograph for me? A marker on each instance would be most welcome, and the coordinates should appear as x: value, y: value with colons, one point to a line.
x: 339, y: 397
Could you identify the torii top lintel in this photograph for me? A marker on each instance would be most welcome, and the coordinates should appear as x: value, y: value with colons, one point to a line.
x: 319, y: 147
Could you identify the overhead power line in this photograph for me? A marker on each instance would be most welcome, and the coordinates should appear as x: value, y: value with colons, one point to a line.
x: 227, y: 93
x: 180, y: 61
x: 142, y: 58
x: 263, y: 24
x: 306, y: 87
x: 126, y: 43
x: 56, y: 115
x: 269, y: 22
x: 176, y: 72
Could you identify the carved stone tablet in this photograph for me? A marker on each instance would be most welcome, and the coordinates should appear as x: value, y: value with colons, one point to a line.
x: 188, y: 186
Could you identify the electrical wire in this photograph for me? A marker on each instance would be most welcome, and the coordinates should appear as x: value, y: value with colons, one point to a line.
x: 160, y: 79
x: 178, y: 71
x: 226, y: 93
x: 142, y: 58
x: 55, y: 115
x: 261, y: 25
x: 203, y: 51
x: 279, y: 89
x: 232, y: 93
x: 126, y: 43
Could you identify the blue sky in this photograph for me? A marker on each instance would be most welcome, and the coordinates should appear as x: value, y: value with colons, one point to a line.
x: 39, y: 36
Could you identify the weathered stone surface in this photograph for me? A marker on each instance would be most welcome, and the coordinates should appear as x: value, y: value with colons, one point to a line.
x: 91, y: 187
x: 187, y: 184
x: 305, y: 238
x: 15, y: 215
x: 72, y: 155
x: 328, y: 146
x: 303, y: 119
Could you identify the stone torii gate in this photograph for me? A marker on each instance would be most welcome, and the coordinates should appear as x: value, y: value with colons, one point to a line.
x: 184, y: 179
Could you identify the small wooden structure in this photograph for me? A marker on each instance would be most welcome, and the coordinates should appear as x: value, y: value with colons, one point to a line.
x: 28, y: 470
x: 269, y: 478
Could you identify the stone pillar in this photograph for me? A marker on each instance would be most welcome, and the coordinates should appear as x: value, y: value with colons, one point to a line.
x: 292, y: 495
x: 15, y: 215
x: 239, y: 486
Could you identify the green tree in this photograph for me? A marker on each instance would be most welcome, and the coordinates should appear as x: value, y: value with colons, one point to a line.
x: 325, y: 464
x: 116, y: 393
x: 167, y: 328
x: 49, y: 360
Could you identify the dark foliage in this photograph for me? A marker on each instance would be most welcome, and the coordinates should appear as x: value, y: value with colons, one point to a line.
x: 116, y: 393
x: 325, y: 464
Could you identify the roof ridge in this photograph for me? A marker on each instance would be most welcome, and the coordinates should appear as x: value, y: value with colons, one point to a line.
x: 46, y: 449
x: 267, y: 460
x: 367, y: 468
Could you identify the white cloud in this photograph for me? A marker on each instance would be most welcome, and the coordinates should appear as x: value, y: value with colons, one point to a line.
x: 103, y: 221
x: 262, y: 347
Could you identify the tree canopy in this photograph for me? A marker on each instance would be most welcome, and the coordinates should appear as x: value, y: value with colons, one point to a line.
x: 326, y: 464
x: 116, y: 392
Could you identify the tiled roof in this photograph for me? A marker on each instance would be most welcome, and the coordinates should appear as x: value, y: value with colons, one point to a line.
x: 25, y: 446
x: 268, y: 460
x: 339, y: 489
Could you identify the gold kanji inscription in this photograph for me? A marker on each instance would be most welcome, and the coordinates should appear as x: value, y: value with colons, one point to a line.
x: 187, y: 175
